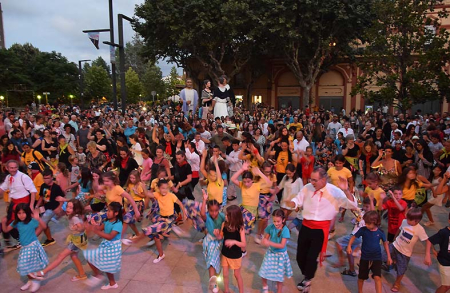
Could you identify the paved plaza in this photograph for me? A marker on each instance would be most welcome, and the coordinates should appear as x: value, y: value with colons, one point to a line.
x: 184, y: 270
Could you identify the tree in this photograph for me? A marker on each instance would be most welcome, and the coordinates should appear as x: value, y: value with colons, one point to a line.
x: 134, y: 86
x: 213, y: 33
x: 102, y: 63
x: 97, y: 82
x: 152, y: 81
x: 311, y: 35
x: 404, y: 58
x: 172, y: 81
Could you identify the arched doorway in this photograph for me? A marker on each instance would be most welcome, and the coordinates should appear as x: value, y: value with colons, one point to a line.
x: 331, y: 90
x: 288, y: 91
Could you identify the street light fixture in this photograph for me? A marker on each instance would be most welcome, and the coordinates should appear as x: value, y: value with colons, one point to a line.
x: 39, y: 99
x: 71, y: 100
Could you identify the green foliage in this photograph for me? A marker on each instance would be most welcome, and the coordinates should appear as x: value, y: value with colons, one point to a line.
x: 311, y: 35
x: 24, y: 69
x: 210, y: 32
x: 102, y: 63
x: 97, y: 83
x: 403, y: 62
x: 152, y: 81
x: 172, y: 82
x: 134, y: 86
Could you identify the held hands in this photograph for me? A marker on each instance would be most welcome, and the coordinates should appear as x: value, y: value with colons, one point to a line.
x: 216, y: 233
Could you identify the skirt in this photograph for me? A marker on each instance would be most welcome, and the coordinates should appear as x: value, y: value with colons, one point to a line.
x: 265, y: 206
x: 107, y: 257
x: 98, y: 218
x: 128, y: 218
x: 249, y: 220
x: 160, y: 228
x: 275, y: 266
x: 32, y: 258
x: 437, y: 201
x: 82, y: 197
x: 212, y: 251
x: 193, y: 213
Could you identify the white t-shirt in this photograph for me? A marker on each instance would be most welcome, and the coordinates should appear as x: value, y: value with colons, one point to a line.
x: 138, y: 157
x: 408, y: 237
x: 333, y: 128
x: 190, y: 97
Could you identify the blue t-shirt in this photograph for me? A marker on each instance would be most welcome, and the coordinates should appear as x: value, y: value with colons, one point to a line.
x: 370, y: 248
x: 27, y: 232
x: 85, y: 189
x: 273, y: 232
x: 212, y: 224
x: 114, y: 226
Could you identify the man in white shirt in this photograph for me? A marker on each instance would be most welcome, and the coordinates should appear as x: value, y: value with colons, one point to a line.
x: 8, y: 123
x: 199, y: 144
x: 333, y: 127
x: 21, y: 190
x: 73, y: 122
x: 300, y: 143
x: 346, y: 130
x: 394, y: 127
x: 320, y: 202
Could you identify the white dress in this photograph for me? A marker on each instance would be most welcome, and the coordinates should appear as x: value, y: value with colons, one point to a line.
x: 437, y: 201
x: 290, y: 190
x: 221, y: 107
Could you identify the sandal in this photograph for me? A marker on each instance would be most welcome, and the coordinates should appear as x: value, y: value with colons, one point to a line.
x: 395, y: 288
x: 78, y: 278
x: 349, y: 273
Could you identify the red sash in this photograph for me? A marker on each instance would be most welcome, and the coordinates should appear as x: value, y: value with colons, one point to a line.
x: 325, y: 227
x: 15, y: 202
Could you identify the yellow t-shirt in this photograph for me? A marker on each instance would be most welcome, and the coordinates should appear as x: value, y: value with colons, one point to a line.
x: 154, y: 184
x: 114, y: 194
x: 410, y: 193
x: 38, y: 181
x: 376, y: 195
x: 263, y: 185
x: 250, y: 196
x: 335, y: 174
x: 139, y: 190
x: 298, y: 125
x: 282, y: 162
x: 215, y: 190
x: 166, y: 203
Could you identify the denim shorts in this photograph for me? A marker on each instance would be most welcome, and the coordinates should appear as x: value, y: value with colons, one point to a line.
x: 47, y: 216
x: 72, y: 247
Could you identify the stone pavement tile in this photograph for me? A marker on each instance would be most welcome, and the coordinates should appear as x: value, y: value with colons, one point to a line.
x: 171, y: 260
x: 188, y: 277
x: 129, y: 269
x: 136, y: 253
x: 141, y: 287
x: 170, y: 288
x: 153, y: 273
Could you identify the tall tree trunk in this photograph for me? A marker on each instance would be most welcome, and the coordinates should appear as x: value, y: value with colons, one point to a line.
x: 306, y: 91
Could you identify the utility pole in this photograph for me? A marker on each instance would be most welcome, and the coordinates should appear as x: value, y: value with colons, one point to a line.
x: 113, y: 63
x: 80, y: 73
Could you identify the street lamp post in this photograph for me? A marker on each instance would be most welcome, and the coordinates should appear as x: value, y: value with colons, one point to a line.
x: 39, y: 100
x: 2, y: 98
x: 71, y: 100
x: 80, y: 73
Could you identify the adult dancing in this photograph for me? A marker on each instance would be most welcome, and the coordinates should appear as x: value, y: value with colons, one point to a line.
x: 320, y: 202
x: 223, y: 95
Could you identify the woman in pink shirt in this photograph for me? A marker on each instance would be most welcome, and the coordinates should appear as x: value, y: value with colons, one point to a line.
x: 146, y: 173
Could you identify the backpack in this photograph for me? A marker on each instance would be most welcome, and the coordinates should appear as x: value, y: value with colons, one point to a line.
x: 39, y: 162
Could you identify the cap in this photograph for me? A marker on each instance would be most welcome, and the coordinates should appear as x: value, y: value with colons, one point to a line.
x: 33, y: 166
x: 415, y: 137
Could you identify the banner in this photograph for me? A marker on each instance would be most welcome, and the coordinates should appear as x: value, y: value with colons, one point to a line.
x: 112, y: 54
x: 95, y: 38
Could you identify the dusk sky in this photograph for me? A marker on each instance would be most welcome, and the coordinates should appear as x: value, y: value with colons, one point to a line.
x: 56, y: 25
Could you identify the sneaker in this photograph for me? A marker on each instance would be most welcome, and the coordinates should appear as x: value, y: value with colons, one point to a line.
x: 159, y: 258
x: 258, y: 239
x: 108, y: 286
x: 429, y: 223
x: 48, y: 242
x: 93, y: 281
x: 78, y: 278
x: 213, y: 283
x: 304, y: 285
x: 150, y: 243
x: 35, y: 285
x: 12, y: 247
x: 134, y: 236
x: 26, y: 286
x: 244, y: 253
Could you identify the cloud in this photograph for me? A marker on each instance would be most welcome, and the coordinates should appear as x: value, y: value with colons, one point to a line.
x: 57, y: 25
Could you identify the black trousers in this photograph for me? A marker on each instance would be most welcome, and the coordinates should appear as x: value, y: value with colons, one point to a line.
x: 14, y: 232
x: 308, y: 249
x: 279, y: 178
x: 185, y: 193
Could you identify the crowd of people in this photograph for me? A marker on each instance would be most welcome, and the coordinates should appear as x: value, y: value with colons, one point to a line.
x: 263, y: 173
